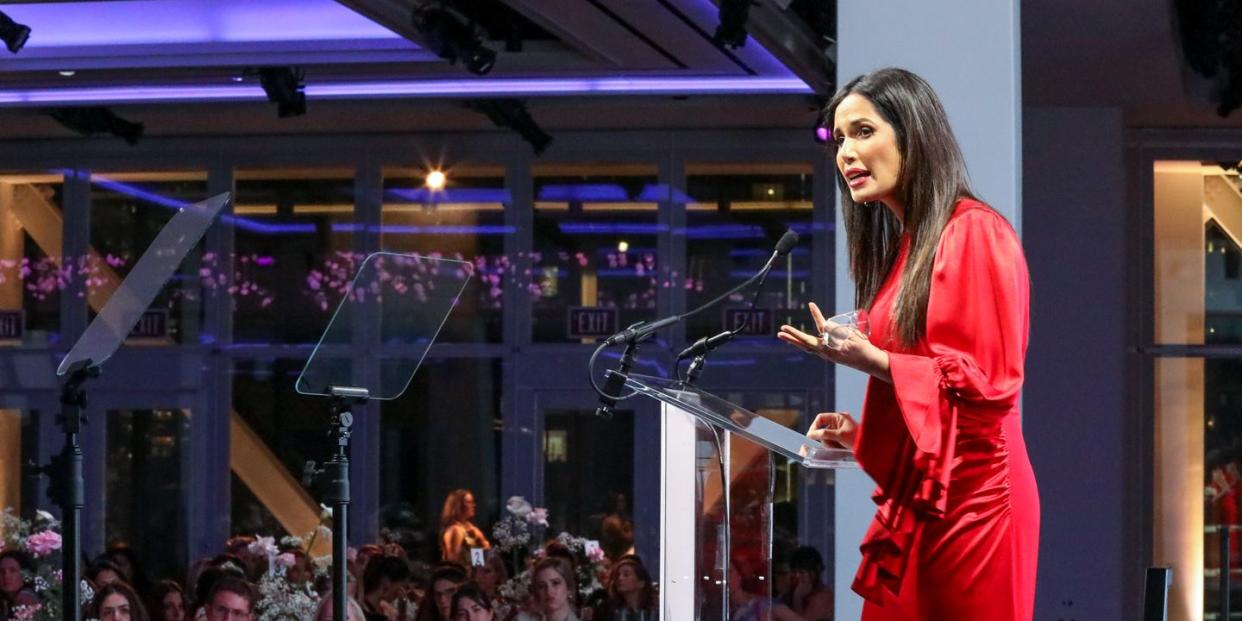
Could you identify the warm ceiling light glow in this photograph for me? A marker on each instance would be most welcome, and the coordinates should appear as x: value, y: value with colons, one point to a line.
x: 623, y: 246
x: 435, y: 180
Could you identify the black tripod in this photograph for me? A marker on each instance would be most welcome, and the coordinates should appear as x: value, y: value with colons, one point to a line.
x: 337, y: 494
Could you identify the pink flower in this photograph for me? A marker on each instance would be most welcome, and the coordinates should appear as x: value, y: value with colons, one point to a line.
x: 538, y: 515
x: 43, y: 544
x: 285, y: 560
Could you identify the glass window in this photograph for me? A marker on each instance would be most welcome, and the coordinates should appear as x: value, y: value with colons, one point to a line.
x: 596, y: 229
x: 127, y: 211
x: 588, y: 476
x: 463, y: 219
x: 735, y: 213
x: 31, y: 231
x: 443, y: 434
x: 294, y: 253
x: 1198, y: 398
x: 144, y: 491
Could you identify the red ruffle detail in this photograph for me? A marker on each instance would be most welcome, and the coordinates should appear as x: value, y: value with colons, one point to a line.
x: 913, y: 494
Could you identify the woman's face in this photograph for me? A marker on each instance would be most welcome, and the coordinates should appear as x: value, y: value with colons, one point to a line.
x: 470, y: 610
x: 467, y: 507
x: 174, y: 607
x: 486, y: 577
x: 444, y: 590
x: 626, y: 580
x: 114, y: 608
x: 552, y: 589
x: 10, y: 576
x: 868, y: 156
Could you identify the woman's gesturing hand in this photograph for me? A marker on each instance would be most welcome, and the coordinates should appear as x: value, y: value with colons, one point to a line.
x: 833, y: 430
x: 845, y: 346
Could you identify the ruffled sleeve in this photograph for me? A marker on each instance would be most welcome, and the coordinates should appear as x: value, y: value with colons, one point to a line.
x: 971, y: 362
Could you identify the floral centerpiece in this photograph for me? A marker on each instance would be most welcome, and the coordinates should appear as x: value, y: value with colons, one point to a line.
x: 280, y: 599
x: 523, y: 530
x: 39, y: 538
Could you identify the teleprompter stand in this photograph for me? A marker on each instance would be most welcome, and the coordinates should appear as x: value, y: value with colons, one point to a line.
x: 96, y: 345
x: 381, y: 331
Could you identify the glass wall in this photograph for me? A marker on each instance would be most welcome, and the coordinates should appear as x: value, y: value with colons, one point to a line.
x: 735, y: 213
x: 294, y: 252
x: 296, y: 236
x: 596, y: 227
x: 463, y: 220
x: 437, y: 438
x: 144, y: 488
x: 127, y: 211
x: 31, y: 265
x: 1198, y: 386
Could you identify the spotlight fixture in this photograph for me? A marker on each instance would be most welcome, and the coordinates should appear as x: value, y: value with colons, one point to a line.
x: 512, y: 113
x: 285, y: 88
x: 452, y: 39
x: 435, y: 180
x: 12, y: 33
x: 732, y: 29
x: 97, y: 120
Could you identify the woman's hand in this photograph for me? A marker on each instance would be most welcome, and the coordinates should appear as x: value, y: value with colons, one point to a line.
x: 848, y: 347
x: 834, y: 430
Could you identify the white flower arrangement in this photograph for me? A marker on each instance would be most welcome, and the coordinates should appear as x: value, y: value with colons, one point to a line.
x: 40, y: 538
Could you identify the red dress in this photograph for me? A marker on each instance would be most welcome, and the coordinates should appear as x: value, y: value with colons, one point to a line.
x: 957, y: 531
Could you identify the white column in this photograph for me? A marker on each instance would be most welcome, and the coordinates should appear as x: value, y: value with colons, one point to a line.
x: 970, y: 53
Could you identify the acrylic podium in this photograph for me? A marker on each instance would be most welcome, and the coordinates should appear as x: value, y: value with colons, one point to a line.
x: 716, y: 539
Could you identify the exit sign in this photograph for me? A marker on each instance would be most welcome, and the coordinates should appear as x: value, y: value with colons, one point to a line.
x: 589, y: 322
x: 12, y: 325
x: 152, y: 325
x: 758, y: 321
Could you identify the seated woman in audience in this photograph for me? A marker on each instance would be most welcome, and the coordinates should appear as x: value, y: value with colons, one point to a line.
x: 437, y: 603
x: 809, y: 596
x: 747, y: 606
x: 382, y: 584
x: 14, y: 591
x: 491, y: 574
x: 470, y: 603
x: 458, y: 534
x: 116, y: 601
x: 353, y: 613
x: 102, y: 572
x: 631, y: 595
x: 126, y: 560
x: 555, y: 590
x: 169, y: 602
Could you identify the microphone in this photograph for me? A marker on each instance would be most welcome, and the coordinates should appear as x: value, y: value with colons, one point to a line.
x: 784, y: 245
x: 706, y: 345
x: 638, y: 332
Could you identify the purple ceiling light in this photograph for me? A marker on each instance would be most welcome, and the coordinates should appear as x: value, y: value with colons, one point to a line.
x: 409, y: 89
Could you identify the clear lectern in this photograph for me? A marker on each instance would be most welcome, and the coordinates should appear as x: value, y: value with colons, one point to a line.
x: 716, y: 537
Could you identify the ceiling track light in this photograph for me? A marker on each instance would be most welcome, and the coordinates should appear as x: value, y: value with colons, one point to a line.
x: 512, y: 113
x: 97, y: 120
x: 12, y: 33
x: 285, y: 87
x: 731, y: 32
x: 450, y: 37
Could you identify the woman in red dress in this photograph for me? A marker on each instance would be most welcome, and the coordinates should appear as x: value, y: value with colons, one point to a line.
x: 944, y: 281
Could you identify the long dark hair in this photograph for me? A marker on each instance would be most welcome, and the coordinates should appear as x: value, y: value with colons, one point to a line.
x: 931, y: 181
x: 137, y: 612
